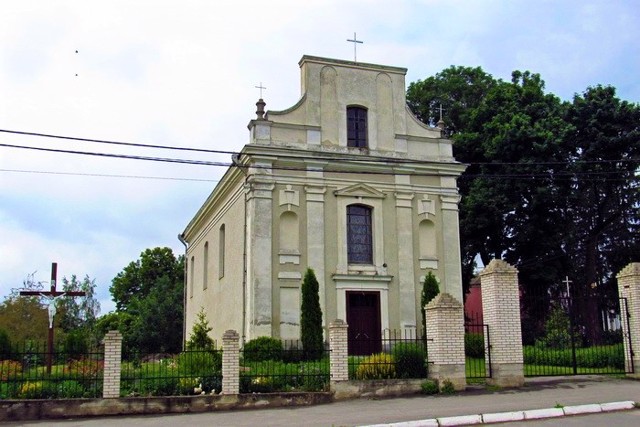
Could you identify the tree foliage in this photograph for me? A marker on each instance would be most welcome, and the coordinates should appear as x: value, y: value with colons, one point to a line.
x: 25, y: 317
x: 430, y: 289
x: 551, y: 186
x: 311, y: 317
x: 149, y: 302
x: 199, y: 338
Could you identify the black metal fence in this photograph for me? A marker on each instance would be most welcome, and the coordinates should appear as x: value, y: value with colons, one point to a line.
x: 477, y: 348
x: 73, y: 373
x: 574, y: 336
x: 279, y: 366
x: 188, y: 373
x: 403, y: 354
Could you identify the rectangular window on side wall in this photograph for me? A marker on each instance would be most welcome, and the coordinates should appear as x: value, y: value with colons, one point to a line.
x: 359, y: 235
x: 191, y: 271
x: 205, y: 267
x: 221, y: 252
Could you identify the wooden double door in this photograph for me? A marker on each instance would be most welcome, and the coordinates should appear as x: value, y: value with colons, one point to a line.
x: 363, y: 318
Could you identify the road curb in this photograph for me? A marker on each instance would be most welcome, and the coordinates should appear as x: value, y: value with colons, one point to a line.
x: 503, y: 417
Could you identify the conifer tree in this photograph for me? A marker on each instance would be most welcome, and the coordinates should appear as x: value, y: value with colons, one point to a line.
x: 311, y: 317
x: 199, y: 338
x: 430, y: 289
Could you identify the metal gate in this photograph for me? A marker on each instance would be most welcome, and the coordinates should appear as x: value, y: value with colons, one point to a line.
x: 477, y: 349
x: 576, y: 336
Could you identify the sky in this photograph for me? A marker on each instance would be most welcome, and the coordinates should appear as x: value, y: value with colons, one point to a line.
x: 184, y: 73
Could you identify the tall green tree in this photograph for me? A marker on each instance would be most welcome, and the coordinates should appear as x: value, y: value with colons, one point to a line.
x: 150, y: 292
x: 138, y: 278
x: 199, y: 338
x: 78, y: 312
x: 430, y: 289
x: 25, y: 317
x: 311, y: 317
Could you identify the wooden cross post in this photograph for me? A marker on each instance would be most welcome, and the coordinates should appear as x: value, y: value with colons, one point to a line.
x: 52, y: 295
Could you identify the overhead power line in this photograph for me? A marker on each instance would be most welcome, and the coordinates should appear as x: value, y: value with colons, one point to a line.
x: 358, y: 157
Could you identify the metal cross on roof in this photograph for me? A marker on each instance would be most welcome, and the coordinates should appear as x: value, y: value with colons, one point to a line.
x: 260, y: 87
x: 355, y: 42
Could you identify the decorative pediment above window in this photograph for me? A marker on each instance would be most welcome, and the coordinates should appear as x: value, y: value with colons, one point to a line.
x: 361, y: 191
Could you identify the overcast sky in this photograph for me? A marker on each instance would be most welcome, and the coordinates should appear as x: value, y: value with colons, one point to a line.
x: 183, y: 73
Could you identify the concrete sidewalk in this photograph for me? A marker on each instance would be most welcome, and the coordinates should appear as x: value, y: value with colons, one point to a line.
x: 539, y: 393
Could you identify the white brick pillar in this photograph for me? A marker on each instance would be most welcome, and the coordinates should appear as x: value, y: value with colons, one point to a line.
x: 339, y: 352
x: 501, y: 312
x: 112, y: 364
x: 445, y: 340
x: 629, y: 290
x: 230, y: 362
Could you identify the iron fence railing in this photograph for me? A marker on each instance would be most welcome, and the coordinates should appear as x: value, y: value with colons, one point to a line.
x: 397, y: 354
x: 73, y: 373
x: 285, y: 368
x: 188, y: 373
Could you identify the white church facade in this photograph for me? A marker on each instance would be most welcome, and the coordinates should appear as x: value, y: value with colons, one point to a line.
x: 347, y: 182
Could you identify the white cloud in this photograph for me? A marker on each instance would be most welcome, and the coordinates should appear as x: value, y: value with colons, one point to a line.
x: 183, y: 73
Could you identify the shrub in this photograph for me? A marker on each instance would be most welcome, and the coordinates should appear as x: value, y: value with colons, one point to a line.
x: 85, y: 368
x: 557, y: 330
x: 474, y: 345
x: 10, y: 369
x: 69, y: 389
x: 429, y: 387
x: 200, y: 363
x: 410, y: 360
x: 262, y: 348
x: 75, y: 345
x: 430, y: 290
x: 37, y: 390
x: 376, y: 367
x: 199, y: 338
x: 311, y: 317
x: 5, y: 344
x: 447, y: 387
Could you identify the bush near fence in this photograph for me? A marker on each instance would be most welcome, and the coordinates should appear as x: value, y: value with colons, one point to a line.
x: 270, y: 365
x: 401, y: 358
x: 188, y: 373
x: 587, y: 357
x: 24, y: 373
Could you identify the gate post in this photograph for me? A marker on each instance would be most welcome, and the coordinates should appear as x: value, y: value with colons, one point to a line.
x: 445, y: 334
x: 112, y: 364
x: 339, y: 353
x: 629, y: 289
x: 501, y: 311
x: 230, y: 362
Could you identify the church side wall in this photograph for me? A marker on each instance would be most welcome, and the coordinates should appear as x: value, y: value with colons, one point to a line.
x: 222, y: 299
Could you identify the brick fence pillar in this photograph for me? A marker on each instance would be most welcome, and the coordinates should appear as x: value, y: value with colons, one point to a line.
x: 339, y: 352
x: 501, y: 312
x: 230, y: 362
x: 629, y: 289
x: 112, y: 364
x: 445, y: 340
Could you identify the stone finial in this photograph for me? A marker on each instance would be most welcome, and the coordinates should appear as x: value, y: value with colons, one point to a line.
x: 260, y: 111
x: 440, y: 124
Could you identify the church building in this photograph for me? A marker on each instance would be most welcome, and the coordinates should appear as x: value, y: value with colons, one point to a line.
x: 347, y: 182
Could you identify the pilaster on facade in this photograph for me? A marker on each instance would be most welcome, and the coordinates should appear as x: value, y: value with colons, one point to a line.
x: 501, y: 312
x: 259, y: 258
x: 629, y: 291
x: 451, y: 245
x: 316, y: 240
x: 406, y: 274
